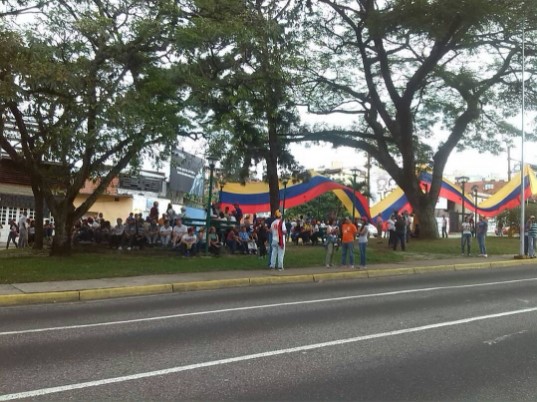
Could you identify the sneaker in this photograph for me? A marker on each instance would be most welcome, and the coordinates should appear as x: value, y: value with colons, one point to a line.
x: 128, y: 248
x: 280, y: 269
x: 120, y: 248
x: 484, y: 255
x: 327, y: 266
x: 351, y: 266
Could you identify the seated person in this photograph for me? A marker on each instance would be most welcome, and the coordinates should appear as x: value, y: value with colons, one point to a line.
x: 316, y: 235
x: 244, y: 238
x: 201, y: 239
x: 233, y: 240
x: 187, y: 245
x: 306, y: 232
x: 252, y: 243
x: 129, y: 234
x: 152, y: 232
x: 116, y: 234
x: 178, y: 231
x: 165, y: 233
x: 214, y: 242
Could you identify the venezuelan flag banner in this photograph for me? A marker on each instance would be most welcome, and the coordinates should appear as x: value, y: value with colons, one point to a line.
x: 506, y: 198
x: 396, y: 201
x: 254, y: 197
x: 509, y: 195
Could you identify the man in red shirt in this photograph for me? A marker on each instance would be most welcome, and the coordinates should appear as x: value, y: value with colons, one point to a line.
x: 348, y: 234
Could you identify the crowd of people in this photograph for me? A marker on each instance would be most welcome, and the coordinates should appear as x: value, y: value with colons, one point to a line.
x: 249, y: 234
x: 22, y: 231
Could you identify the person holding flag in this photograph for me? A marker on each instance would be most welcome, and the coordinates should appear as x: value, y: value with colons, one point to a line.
x: 278, y: 231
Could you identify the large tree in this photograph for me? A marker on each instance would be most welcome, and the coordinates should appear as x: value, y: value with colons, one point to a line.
x: 84, y: 92
x: 419, y: 78
x: 242, y: 83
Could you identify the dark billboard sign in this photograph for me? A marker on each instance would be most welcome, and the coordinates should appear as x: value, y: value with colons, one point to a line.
x: 187, y: 173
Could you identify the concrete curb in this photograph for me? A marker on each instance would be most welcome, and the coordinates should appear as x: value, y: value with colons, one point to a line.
x: 115, y: 292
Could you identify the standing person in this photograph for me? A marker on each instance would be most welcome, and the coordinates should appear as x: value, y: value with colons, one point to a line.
x: 399, y: 232
x: 13, y: 233
x: 481, y: 233
x: 153, y: 213
x: 278, y: 230
x: 348, y: 233
x: 23, y: 231
x: 268, y: 224
x: 170, y: 213
x: 391, y: 230
x: 532, y: 236
x: 363, y: 235
x: 332, y: 232
x: 466, y: 236
x: 444, y: 227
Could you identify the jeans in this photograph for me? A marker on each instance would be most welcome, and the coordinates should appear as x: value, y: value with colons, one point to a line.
x: 531, y: 246
x: 465, y: 240
x: 399, y: 237
x: 347, y: 248
x: 329, y: 253
x: 277, y: 255
x: 481, y: 242
x: 362, y: 247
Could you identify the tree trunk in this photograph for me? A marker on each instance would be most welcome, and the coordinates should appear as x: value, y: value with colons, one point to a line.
x: 61, y: 242
x: 427, y: 221
x: 39, y: 215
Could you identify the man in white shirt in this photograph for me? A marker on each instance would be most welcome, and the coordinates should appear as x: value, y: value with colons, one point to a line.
x: 178, y: 231
x: 23, y: 230
x: 165, y: 233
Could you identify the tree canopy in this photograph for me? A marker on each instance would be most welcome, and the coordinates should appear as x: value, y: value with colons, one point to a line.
x: 84, y: 92
x: 419, y: 79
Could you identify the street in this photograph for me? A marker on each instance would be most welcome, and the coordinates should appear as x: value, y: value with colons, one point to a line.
x: 445, y: 336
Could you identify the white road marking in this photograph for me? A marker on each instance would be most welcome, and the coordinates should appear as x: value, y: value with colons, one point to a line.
x: 503, y: 338
x: 262, y: 306
x: 149, y: 374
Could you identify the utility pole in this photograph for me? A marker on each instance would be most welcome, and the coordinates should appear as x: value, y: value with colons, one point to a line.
x: 508, y: 163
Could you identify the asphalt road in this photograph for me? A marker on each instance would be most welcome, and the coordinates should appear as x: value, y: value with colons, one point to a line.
x: 450, y: 336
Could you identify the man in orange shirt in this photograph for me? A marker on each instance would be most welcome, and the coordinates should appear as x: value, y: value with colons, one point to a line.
x: 348, y: 233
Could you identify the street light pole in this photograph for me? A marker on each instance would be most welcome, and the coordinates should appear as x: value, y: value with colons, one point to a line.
x: 474, y: 192
x: 285, y: 180
x: 522, y: 178
x: 212, y: 162
x: 354, y: 172
x: 462, y: 180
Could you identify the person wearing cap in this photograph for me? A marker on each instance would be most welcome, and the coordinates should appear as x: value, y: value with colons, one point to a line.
x: 363, y: 235
x: 348, y: 233
x: 278, y: 230
x: 532, y: 236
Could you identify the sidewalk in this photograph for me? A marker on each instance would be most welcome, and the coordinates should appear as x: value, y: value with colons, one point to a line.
x: 92, y: 289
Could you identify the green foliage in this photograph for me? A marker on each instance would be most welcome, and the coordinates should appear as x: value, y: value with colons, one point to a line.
x: 511, y: 217
x: 407, y: 70
x: 86, y: 90
x: 242, y: 82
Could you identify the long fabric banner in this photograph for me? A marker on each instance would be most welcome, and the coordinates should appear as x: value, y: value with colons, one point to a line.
x: 254, y: 197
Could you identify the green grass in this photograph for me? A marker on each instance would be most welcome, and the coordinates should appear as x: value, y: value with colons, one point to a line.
x: 90, y: 263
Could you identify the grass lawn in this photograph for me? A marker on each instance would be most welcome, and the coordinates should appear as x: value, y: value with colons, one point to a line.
x: 90, y: 263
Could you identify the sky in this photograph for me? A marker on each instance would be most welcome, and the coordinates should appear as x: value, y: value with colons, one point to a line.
x: 469, y: 163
